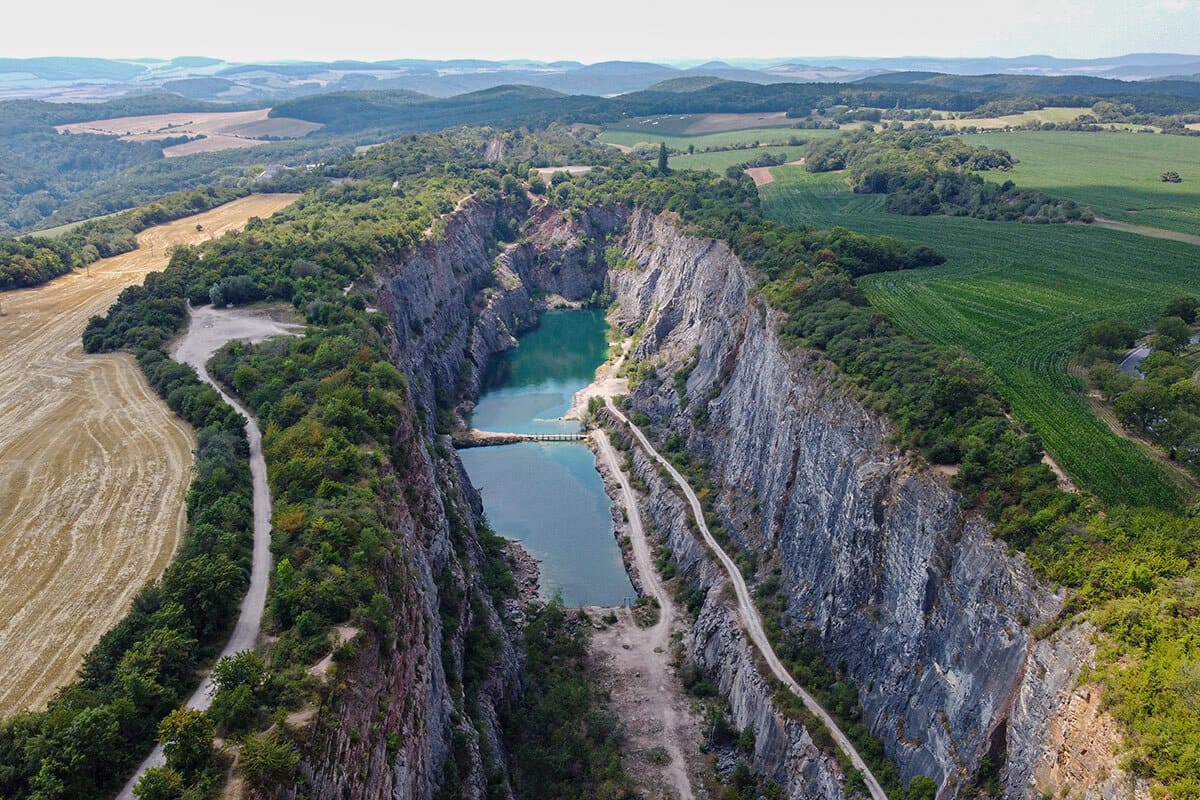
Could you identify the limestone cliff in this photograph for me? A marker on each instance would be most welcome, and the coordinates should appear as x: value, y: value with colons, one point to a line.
x: 925, y: 611
x: 398, y: 721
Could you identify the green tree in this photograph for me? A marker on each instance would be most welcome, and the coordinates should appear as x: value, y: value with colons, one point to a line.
x: 1143, y: 405
x: 1114, y: 334
x: 663, y: 168
x: 1184, y: 307
x: 1109, y: 380
x: 186, y: 736
x: 1175, y: 328
x: 268, y: 758
x: 159, y: 783
x: 921, y: 788
x: 241, y: 669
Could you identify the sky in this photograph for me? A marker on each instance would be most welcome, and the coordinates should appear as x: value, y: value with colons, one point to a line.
x: 250, y: 30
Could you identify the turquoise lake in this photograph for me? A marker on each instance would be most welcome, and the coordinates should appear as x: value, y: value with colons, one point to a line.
x: 549, y: 496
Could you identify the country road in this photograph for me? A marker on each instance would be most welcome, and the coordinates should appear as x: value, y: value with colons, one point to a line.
x: 652, y: 647
x: 749, y: 613
x: 208, y: 329
x: 94, y: 467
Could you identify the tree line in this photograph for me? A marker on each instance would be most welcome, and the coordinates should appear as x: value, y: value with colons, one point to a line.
x: 930, y: 171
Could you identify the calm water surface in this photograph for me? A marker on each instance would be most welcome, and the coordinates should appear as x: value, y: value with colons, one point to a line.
x: 549, y: 496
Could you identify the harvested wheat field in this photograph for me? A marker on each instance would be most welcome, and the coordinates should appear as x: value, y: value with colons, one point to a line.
x: 93, y: 465
x: 222, y: 130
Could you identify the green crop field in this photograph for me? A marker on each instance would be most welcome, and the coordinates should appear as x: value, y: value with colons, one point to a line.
x: 1017, y: 296
x: 721, y: 159
x: 725, y: 139
x: 1118, y: 174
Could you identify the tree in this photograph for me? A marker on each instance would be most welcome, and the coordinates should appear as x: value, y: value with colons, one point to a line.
x: 268, y: 758
x: 1109, y: 380
x: 1114, y: 334
x: 1184, y: 307
x: 1144, y: 405
x: 1171, y: 176
x: 921, y: 788
x: 237, y: 678
x: 186, y: 736
x: 159, y: 783
x: 241, y: 669
x: 663, y: 167
x: 1174, y: 328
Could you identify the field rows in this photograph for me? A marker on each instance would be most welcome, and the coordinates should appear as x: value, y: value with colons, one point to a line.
x: 94, y: 467
x: 1018, y: 297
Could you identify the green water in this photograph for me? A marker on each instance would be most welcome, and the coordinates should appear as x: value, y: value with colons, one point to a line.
x: 526, y: 389
x: 549, y: 496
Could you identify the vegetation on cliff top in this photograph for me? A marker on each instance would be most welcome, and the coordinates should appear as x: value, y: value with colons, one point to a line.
x: 329, y: 402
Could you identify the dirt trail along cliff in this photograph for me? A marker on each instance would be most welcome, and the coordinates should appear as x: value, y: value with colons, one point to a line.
x: 749, y: 613
x: 94, y: 467
x: 646, y: 651
x: 208, y: 329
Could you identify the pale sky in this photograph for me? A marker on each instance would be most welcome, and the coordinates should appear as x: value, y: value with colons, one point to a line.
x: 250, y: 30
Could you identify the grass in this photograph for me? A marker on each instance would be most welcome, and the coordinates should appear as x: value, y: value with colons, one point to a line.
x: 1118, y: 174
x: 720, y: 160
x: 726, y: 139
x: 1017, y: 297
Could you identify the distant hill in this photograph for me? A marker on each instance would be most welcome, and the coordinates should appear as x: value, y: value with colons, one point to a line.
x: 1040, y: 85
x: 70, y: 79
x: 689, y: 84
x: 199, y: 88
x: 72, y: 69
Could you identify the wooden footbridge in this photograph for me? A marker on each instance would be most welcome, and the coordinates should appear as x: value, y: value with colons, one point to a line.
x: 477, y: 438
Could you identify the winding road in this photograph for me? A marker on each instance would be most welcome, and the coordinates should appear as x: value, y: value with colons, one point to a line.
x: 94, y: 467
x: 209, y: 329
x: 749, y: 613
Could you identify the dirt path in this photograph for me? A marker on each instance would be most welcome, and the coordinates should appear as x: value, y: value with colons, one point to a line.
x: 93, y: 465
x: 749, y: 613
x: 209, y: 329
x: 647, y: 693
x: 1146, y: 230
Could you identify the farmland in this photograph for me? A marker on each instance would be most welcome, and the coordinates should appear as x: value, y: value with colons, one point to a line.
x: 719, y: 160
x: 93, y: 465
x: 1054, y: 114
x: 220, y: 130
x: 778, y: 136
x: 1017, y: 296
x: 699, y: 124
x: 1124, y: 172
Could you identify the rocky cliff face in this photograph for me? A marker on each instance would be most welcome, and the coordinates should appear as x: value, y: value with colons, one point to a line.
x: 929, y: 615
x: 398, y: 722
x: 783, y: 750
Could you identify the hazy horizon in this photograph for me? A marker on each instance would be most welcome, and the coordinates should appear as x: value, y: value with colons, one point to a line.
x: 620, y: 30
